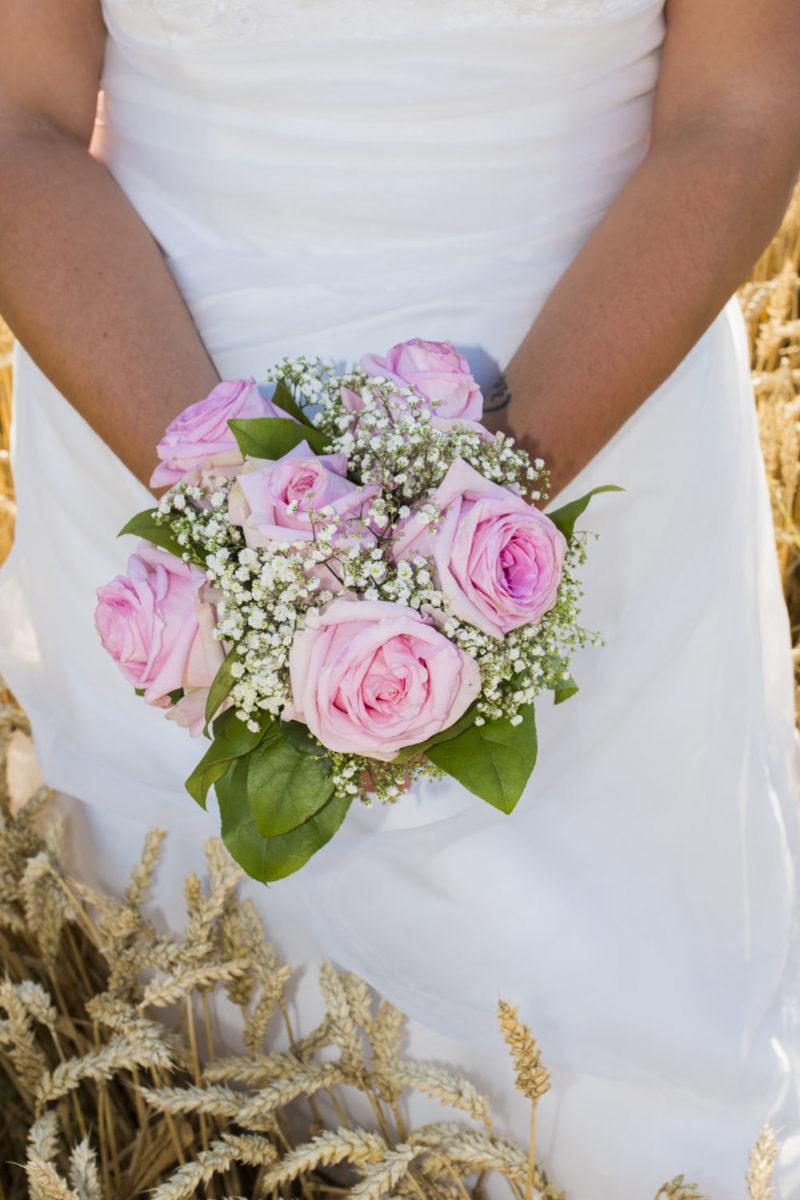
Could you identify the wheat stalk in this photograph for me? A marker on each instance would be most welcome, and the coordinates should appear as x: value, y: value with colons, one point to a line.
x: 46, y: 1183
x: 451, y: 1089
x: 762, y: 1166
x: 43, y: 1138
x: 532, y: 1079
x: 344, y: 1029
x: 325, y: 1150
x: 119, y: 1054
x: 17, y: 1037
x: 256, y: 1070
x: 218, y: 1159
x: 380, y: 1179
x: 160, y: 993
x: 83, y: 1175
x: 679, y: 1189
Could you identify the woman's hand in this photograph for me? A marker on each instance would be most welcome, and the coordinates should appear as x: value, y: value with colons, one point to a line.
x: 676, y: 242
x: 82, y: 282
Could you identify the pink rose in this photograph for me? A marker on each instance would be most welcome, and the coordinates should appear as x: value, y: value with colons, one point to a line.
x: 369, y: 677
x: 190, y: 711
x: 437, y: 371
x: 272, y: 500
x: 201, y: 430
x: 157, y: 628
x: 497, y: 560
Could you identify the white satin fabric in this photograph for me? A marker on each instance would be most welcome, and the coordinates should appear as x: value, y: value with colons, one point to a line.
x: 332, y: 178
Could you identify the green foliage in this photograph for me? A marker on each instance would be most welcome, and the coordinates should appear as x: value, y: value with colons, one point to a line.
x: 232, y: 740
x: 446, y: 735
x: 221, y: 686
x: 144, y: 525
x: 285, y: 786
x: 282, y: 398
x: 300, y: 736
x: 274, y: 793
x: 272, y: 437
x: 494, y: 760
x: 565, y: 691
x: 564, y: 518
x: 268, y: 859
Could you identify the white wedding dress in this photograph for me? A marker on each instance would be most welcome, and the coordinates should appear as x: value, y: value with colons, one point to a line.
x: 334, y: 176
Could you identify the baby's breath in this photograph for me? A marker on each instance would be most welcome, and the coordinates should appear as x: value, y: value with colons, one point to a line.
x: 392, y: 441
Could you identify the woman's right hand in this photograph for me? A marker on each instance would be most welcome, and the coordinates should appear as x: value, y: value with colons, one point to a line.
x: 83, y: 284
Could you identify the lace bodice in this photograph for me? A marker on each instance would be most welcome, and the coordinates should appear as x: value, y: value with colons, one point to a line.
x: 206, y: 20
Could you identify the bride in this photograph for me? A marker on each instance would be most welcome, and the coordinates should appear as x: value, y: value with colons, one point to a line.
x: 570, y: 191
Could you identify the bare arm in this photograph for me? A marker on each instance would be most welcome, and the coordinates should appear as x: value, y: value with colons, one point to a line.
x: 82, y: 282
x: 677, y: 240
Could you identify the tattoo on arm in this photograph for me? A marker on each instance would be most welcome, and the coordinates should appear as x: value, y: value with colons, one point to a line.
x: 499, y: 397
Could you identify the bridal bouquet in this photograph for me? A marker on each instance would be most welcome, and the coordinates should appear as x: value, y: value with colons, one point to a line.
x: 346, y: 586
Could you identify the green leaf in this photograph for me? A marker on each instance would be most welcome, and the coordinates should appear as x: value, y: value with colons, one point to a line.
x: 268, y: 859
x: 272, y: 437
x: 221, y: 686
x: 565, y: 690
x: 300, y: 736
x: 564, y: 518
x: 446, y: 735
x: 232, y: 739
x: 144, y: 525
x: 494, y: 761
x: 282, y: 397
x: 285, y: 787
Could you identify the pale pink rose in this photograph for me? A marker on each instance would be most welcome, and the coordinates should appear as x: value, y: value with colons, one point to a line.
x: 190, y: 711
x: 201, y: 430
x: 158, y: 627
x: 370, y: 677
x: 497, y: 560
x: 436, y: 370
x: 265, y: 492
x: 204, y: 661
